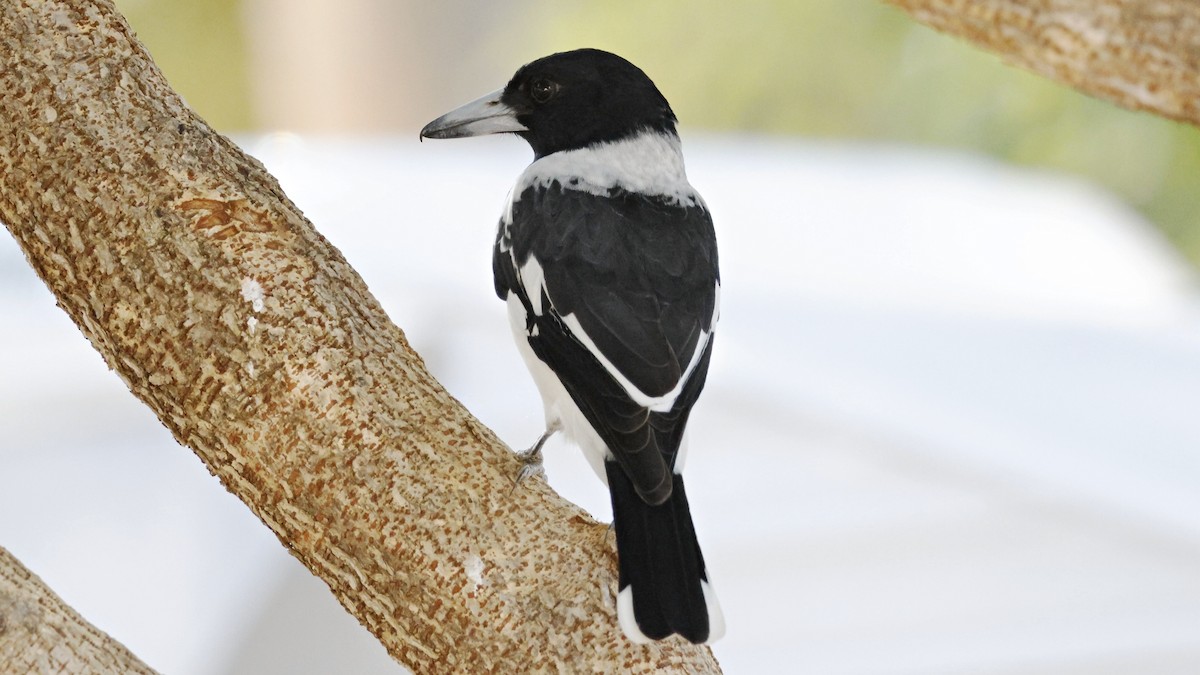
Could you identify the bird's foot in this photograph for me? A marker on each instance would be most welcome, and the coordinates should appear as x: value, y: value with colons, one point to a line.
x: 531, y: 465
x: 531, y: 459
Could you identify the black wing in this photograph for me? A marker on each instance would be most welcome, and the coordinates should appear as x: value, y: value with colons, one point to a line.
x: 638, y: 278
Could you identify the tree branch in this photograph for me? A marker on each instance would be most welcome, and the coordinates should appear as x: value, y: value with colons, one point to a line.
x: 1140, y: 54
x: 258, y: 346
x: 41, y: 634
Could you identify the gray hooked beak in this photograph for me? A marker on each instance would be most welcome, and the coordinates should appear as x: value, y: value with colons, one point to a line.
x: 484, y: 115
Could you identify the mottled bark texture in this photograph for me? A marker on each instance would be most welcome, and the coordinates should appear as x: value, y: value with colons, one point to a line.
x: 40, y: 634
x: 1140, y: 54
x: 258, y: 346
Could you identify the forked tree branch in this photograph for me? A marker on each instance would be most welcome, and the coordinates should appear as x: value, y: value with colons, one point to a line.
x: 258, y: 346
x: 1140, y: 54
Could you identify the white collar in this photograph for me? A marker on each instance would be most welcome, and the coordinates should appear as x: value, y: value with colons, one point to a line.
x: 648, y: 163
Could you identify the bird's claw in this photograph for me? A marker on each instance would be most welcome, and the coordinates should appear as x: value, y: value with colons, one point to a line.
x: 531, y: 459
x: 531, y: 465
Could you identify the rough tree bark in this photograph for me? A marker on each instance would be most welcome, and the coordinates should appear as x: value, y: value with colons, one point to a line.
x: 1140, y: 54
x: 40, y: 634
x: 257, y: 345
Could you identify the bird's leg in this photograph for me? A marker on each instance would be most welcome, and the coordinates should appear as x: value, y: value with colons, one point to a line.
x: 531, y: 459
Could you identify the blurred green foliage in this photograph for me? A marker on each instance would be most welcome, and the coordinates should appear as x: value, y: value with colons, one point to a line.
x: 200, y: 46
x: 863, y: 69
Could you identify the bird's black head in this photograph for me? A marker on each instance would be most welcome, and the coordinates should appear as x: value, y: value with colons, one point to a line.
x: 575, y: 99
x: 565, y: 101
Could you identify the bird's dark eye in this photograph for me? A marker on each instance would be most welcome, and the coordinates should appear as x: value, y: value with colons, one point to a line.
x: 543, y: 90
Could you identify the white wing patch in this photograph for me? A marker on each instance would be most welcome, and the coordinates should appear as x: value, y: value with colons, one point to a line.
x: 712, y: 325
x: 533, y: 279
x: 655, y: 403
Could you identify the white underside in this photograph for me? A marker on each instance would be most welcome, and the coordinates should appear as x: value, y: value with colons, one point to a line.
x: 716, y: 618
x: 626, y: 619
x: 681, y: 455
x: 561, y: 411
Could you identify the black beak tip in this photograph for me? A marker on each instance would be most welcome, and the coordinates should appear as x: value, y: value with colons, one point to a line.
x: 431, y: 130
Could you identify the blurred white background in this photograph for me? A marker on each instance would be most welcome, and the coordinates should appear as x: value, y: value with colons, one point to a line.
x: 951, y: 424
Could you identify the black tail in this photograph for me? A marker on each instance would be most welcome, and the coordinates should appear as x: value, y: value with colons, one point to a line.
x: 663, y: 586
